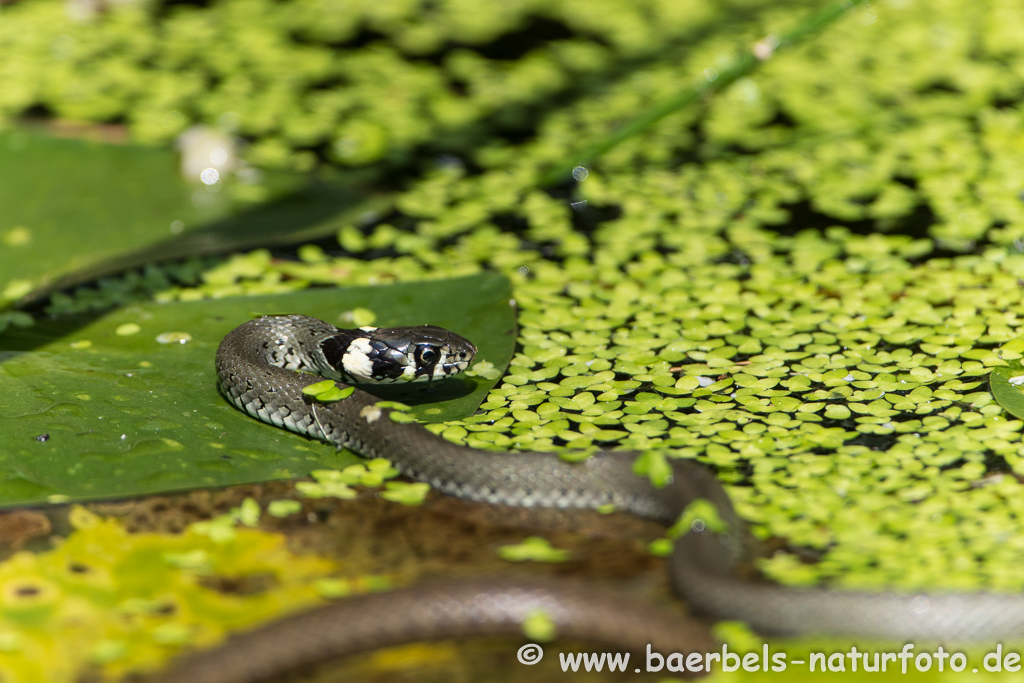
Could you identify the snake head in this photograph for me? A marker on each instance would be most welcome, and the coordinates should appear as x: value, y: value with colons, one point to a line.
x: 398, y: 354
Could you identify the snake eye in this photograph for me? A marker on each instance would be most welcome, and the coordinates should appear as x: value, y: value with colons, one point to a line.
x: 427, y: 355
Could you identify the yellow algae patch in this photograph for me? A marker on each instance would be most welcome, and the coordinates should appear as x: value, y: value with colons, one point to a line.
x: 119, y: 601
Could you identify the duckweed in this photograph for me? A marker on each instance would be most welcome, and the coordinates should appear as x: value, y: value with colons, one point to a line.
x: 707, y: 290
x: 405, y: 493
x: 283, y: 508
x: 371, y: 474
x: 849, y: 407
x: 533, y: 549
x: 539, y: 626
x: 327, y: 391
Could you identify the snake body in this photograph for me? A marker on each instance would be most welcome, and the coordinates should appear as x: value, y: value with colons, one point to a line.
x: 256, y: 367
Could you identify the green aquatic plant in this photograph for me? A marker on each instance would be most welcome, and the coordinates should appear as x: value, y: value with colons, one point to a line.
x: 803, y: 283
x: 114, y: 602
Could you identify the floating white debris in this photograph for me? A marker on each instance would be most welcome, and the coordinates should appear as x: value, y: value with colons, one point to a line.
x: 207, y: 154
x: 174, y: 338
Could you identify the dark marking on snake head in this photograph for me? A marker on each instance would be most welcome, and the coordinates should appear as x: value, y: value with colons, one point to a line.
x: 427, y: 358
x: 334, y: 348
x: 389, y: 364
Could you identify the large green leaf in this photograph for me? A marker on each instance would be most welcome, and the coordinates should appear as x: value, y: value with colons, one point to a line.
x: 1006, y: 386
x: 72, y: 210
x: 126, y: 414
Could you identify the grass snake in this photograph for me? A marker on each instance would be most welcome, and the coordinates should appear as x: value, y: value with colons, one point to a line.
x: 263, y: 366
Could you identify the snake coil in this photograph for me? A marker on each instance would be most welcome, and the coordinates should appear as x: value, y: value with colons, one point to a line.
x: 256, y: 366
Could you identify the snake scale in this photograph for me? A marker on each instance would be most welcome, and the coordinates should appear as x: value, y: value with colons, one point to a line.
x: 257, y: 367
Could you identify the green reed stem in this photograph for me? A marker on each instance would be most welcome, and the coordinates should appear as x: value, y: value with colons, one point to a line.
x: 744, y: 64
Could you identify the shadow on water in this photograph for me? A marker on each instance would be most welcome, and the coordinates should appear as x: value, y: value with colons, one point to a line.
x: 420, y: 393
x: 15, y: 341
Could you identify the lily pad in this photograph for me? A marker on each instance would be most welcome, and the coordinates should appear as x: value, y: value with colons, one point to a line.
x: 128, y: 206
x: 1007, y: 385
x: 90, y: 413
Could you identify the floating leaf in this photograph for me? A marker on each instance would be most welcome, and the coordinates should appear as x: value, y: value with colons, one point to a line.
x: 406, y: 493
x: 700, y: 515
x: 126, y: 415
x: 655, y: 466
x: 1007, y: 385
x: 128, y: 205
x: 539, y: 626
x: 320, y: 489
x: 660, y: 547
x: 327, y: 391
x: 533, y: 549
x: 318, y: 387
x: 283, y: 508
